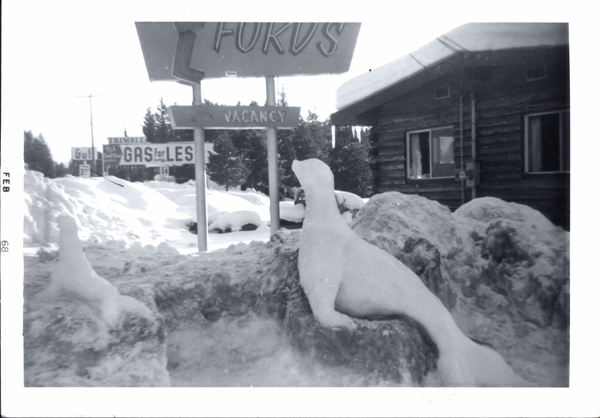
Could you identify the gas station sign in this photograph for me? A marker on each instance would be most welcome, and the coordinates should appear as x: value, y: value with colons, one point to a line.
x: 149, y: 154
x: 233, y: 117
x: 83, y: 153
x: 126, y: 139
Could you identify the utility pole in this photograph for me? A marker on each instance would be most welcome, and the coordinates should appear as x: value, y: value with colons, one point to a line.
x: 92, y: 128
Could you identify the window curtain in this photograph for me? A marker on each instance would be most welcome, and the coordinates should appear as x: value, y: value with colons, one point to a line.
x: 415, y: 168
x: 535, y: 143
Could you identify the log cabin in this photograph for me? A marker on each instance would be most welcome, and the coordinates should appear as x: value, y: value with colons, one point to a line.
x: 480, y: 111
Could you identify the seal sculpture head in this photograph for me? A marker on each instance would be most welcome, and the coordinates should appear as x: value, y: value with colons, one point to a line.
x: 313, y: 173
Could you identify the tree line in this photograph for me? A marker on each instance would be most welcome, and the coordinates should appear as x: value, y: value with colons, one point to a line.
x: 239, y: 157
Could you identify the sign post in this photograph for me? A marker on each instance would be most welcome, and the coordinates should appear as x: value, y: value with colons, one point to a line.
x: 188, y: 52
x: 201, y: 210
x: 272, y: 158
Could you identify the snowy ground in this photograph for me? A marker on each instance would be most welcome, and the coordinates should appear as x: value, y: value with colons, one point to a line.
x: 111, y: 209
x: 146, y: 227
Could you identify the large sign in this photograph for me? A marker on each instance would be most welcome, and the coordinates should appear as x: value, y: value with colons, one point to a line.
x: 150, y: 155
x: 83, y: 153
x: 195, y: 50
x: 126, y: 139
x: 234, y: 117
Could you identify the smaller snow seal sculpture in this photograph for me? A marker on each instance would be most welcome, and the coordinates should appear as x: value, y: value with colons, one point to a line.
x: 75, y: 275
x: 344, y: 276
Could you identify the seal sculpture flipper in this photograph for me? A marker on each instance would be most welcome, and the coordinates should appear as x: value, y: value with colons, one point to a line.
x: 75, y: 275
x: 344, y: 276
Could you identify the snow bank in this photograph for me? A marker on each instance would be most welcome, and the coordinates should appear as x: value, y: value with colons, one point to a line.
x: 112, y: 209
x: 236, y: 221
x: 501, y: 268
x: 105, y: 209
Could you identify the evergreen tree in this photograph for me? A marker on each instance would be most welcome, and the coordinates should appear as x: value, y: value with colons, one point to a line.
x: 149, y: 126
x: 252, y: 147
x: 311, y: 139
x: 36, y: 154
x: 163, y: 132
x: 225, y: 165
x: 157, y: 128
x: 349, y: 162
x: 60, y: 170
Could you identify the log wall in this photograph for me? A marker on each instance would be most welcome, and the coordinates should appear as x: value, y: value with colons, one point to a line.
x: 502, y: 98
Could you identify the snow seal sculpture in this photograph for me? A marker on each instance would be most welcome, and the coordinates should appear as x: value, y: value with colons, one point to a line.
x: 75, y: 275
x: 344, y: 276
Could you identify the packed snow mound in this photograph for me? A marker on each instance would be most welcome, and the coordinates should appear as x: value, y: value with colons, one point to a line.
x: 167, y: 185
x: 506, y: 284
x: 291, y: 212
x: 487, y: 209
x: 184, y: 196
x: 410, y: 215
x: 112, y: 209
x: 509, y: 252
x: 350, y: 200
x: 253, y: 197
x: 220, y: 201
x: 236, y: 221
x: 105, y: 209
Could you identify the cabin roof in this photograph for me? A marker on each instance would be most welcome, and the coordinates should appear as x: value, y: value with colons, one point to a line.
x: 364, y: 91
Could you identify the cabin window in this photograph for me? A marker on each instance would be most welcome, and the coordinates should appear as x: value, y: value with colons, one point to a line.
x: 536, y: 73
x: 431, y: 153
x: 547, y: 142
x: 442, y: 92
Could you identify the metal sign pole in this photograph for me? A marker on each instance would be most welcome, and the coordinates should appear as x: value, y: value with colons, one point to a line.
x: 202, y: 219
x: 272, y: 157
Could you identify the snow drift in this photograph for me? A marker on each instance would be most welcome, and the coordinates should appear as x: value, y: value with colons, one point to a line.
x: 502, y: 270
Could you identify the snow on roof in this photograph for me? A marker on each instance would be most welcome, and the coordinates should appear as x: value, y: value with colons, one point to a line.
x: 471, y: 37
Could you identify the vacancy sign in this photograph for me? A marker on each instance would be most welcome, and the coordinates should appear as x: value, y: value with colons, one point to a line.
x: 234, y: 117
x: 246, y: 49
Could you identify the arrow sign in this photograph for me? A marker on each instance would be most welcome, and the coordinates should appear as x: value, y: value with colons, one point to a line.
x: 234, y: 117
x: 191, y: 51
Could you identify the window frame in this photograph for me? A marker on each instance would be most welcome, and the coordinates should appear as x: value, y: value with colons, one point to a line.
x: 561, y: 128
x: 444, y: 89
x: 408, y: 152
x: 532, y: 69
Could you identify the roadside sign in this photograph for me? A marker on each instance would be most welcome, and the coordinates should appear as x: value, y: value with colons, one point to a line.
x: 83, y: 153
x: 189, y: 52
x: 245, y: 49
x: 150, y: 154
x: 84, y: 170
x: 234, y: 117
x: 164, y: 170
x: 126, y: 139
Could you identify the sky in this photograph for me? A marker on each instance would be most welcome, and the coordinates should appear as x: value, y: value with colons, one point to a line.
x: 63, y: 51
